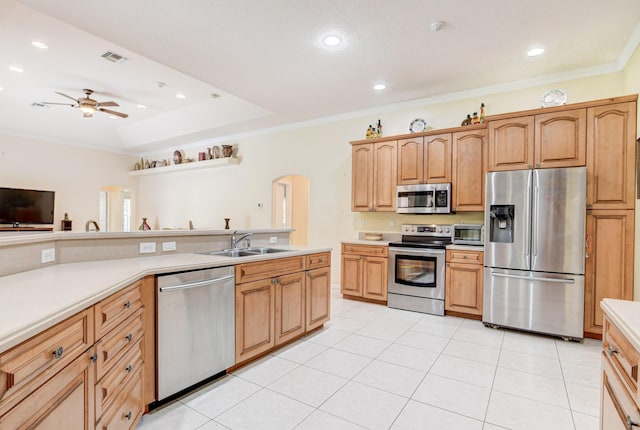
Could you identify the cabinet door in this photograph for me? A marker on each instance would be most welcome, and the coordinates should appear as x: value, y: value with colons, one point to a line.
x: 609, y: 263
x: 374, y: 278
x: 410, y: 165
x: 611, y: 132
x: 318, y: 297
x: 290, y: 307
x: 560, y: 139
x: 254, y: 318
x: 385, y: 166
x: 463, y: 292
x: 351, y: 279
x: 511, y: 144
x: 59, y: 403
x: 362, y: 178
x: 437, y: 159
x: 468, y: 172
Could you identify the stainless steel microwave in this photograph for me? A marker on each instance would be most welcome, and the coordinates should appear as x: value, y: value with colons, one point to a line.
x: 424, y: 199
x: 468, y: 234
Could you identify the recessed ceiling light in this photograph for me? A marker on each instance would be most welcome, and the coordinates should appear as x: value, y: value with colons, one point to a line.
x: 332, y: 40
x: 379, y: 86
x: 1, y: 88
x: 181, y: 96
x: 16, y: 69
x: 535, y: 52
x: 142, y: 107
x: 39, y: 45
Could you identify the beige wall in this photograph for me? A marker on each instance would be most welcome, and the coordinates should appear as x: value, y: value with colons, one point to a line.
x: 75, y: 174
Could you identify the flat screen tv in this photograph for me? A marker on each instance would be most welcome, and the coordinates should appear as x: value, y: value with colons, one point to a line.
x: 18, y: 206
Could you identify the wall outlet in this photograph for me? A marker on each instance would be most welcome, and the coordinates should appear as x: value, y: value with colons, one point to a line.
x: 168, y: 246
x: 393, y: 223
x: 147, y: 247
x: 273, y: 239
x: 48, y: 255
x: 362, y: 223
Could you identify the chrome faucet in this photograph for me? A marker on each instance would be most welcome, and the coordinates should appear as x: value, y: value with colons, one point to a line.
x: 87, y: 226
x: 235, y: 240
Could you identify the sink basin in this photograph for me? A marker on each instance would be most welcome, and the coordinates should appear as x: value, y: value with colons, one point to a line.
x: 264, y: 250
x: 245, y: 252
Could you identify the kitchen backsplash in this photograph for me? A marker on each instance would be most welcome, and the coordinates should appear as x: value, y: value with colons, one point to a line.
x: 391, y: 221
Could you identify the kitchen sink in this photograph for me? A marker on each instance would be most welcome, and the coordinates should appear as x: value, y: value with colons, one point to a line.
x: 245, y: 252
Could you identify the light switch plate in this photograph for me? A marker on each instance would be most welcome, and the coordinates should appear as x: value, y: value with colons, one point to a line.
x: 273, y: 239
x: 48, y: 255
x: 169, y: 246
x: 147, y: 247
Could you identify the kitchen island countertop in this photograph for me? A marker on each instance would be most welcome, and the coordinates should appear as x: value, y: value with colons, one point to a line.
x: 625, y: 314
x: 35, y: 300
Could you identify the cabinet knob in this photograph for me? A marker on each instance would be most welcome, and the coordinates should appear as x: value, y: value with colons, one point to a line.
x: 630, y: 423
x: 94, y: 357
x: 128, y: 368
x: 279, y: 281
x: 127, y: 304
x: 612, y: 351
x: 58, y: 352
x: 464, y: 257
x: 128, y: 415
x: 538, y: 165
x: 529, y: 166
x: 129, y: 337
x: 273, y: 281
x: 589, y: 206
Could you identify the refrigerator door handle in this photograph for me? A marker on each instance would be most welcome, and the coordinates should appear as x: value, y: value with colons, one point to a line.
x: 527, y: 236
x: 536, y: 220
x: 536, y: 278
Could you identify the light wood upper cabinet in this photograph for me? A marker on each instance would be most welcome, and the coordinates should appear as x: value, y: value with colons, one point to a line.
x: 511, y: 144
x: 468, y: 170
x: 437, y: 159
x: 609, y: 262
x: 362, y: 178
x: 611, y: 131
x: 560, y: 139
x: 410, y: 161
x: 385, y: 166
x: 290, y: 307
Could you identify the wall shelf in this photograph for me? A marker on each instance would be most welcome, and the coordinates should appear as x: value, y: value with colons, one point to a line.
x: 218, y: 162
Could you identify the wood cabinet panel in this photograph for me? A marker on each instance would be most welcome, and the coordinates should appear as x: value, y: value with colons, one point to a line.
x: 374, y: 278
x: 468, y: 170
x: 464, y: 256
x: 351, y: 276
x: 371, y: 250
x: 437, y: 159
x: 314, y: 261
x: 464, y: 288
x: 116, y: 308
x: 511, y: 143
x: 114, y: 345
x: 410, y: 161
x: 362, y: 178
x: 255, y: 318
x: 609, y: 262
x: 318, y: 297
x: 149, y: 317
x: 290, y: 307
x: 385, y: 167
x: 127, y: 408
x: 617, y: 407
x: 560, y: 139
x: 268, y: 268
x: 611, y: 132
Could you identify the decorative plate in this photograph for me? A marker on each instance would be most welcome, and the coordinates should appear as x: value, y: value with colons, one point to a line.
x: 417, y: 125
x: 554, y: 97
x: 178, y: 157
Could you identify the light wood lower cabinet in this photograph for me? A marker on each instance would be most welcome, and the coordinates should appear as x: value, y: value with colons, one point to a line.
x: 283, y: 306
x: 464, y: 282
x: 364, y: 271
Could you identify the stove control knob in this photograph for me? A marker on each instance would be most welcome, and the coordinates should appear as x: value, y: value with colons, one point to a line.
x: 447, y: 230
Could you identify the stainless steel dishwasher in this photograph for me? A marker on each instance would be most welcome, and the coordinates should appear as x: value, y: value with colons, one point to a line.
x: 195, y: 328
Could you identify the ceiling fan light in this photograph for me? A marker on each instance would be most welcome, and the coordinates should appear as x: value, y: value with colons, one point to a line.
x: 88, y: 109
x: 87, y: 115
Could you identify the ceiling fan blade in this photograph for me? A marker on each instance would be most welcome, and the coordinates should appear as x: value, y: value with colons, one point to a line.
x: 112, y: 112
x: 64, y: 95
x: 108, y: 104
x: 52, y: 103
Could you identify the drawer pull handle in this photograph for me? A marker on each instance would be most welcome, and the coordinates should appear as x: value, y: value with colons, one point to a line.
x: 127, y: 304
x: 58, y: 352
x: 612, y: 351
x: 128, y: 415
x: 129, y: 337
x: 630, y: 423
x: 128, y: 368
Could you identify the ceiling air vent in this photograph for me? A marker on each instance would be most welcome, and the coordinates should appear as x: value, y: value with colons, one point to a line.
x: 113, y: 57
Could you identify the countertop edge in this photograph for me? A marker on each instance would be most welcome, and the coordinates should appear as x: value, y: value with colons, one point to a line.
x: 619, y: 312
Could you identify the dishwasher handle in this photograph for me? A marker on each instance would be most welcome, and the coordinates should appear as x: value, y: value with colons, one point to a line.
x: 195, y: 284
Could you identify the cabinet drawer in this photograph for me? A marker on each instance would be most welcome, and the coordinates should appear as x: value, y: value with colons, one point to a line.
x: 314, y: 261
x: 370, y: 250
x: 468, y: 257
x: 31, y: 363
x: 617, y: 408
x: 116, y: 308
x: 624, y: 357
x: 127, y: 408
x: 119, y: 375
x: 117, y: 343
x: 268, y: 269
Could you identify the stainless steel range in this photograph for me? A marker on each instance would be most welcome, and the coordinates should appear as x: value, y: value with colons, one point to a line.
x: 417, y: 268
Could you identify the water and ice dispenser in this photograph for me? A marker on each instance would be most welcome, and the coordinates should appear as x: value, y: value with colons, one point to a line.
x: 501, y: 223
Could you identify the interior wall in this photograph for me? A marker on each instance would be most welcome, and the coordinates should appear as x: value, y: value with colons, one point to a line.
x: 75, y: 174
x: 300, y: 210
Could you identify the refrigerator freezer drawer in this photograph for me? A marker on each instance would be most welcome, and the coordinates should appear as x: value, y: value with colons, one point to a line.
x: 548, y: 303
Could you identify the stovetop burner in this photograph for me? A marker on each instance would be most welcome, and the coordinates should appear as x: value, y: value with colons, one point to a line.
x: 436, y: 236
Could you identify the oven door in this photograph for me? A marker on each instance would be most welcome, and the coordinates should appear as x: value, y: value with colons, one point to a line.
x: 417, y: 272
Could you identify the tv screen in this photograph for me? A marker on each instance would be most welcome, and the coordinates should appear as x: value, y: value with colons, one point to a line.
x: 19, y: 206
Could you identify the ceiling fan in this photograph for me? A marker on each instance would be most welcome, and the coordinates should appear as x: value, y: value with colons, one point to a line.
x: 89, y: 106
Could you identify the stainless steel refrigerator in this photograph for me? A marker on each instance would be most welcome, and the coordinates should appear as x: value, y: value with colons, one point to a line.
x: 534, y: 250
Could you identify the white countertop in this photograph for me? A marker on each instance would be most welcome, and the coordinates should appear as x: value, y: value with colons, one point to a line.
x: 366, y: 242
x: 467, y: 247
x: 35, y: 300
x: 625, y: 314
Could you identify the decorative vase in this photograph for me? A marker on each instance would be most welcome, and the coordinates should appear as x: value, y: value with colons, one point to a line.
x: 226, y: 223
x: 216, y: 151
x: 144, y: 225
x: 227, y: 151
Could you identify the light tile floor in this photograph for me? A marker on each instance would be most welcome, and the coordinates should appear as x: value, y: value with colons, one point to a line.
x: 378, y: 368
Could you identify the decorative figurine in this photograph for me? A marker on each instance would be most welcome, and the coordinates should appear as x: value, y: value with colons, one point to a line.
x: 475, y: 119
x: 144, y: 225
x: 467, y: 120
x: 226, y: 223
x: 481, y: 113
x: 379, y: 129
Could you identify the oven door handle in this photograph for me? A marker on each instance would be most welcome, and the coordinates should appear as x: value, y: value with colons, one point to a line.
x: 414, y: 251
